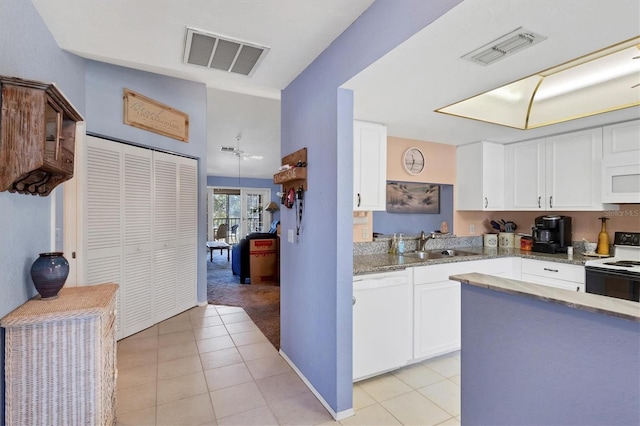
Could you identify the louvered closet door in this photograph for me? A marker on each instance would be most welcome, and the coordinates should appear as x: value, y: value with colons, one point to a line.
x: 187, y: 233
x: 101, y: 231
x: 138, y: 291
x: 166, y: 234
x: 140, y: 230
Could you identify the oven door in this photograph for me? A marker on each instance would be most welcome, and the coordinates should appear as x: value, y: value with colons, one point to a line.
x: 618, y: 284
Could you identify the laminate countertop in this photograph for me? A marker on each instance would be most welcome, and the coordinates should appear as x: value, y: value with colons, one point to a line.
x: 595, y: 303
x: 373, y: 263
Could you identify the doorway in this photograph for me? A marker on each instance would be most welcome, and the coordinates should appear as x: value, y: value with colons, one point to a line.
x: 242, y: 209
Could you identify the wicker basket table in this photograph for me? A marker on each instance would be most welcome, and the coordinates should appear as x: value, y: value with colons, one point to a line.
x: 60, y: 359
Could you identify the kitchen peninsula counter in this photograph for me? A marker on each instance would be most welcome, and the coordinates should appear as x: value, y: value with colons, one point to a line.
x: 595, y: 303
x: 372, y: 263
x: 533, y: 354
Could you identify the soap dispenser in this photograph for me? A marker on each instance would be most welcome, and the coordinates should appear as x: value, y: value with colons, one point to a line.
x: 603, y: 238
x: 400, y: 245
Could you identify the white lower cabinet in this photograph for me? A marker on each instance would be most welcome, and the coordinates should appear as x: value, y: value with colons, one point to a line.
x: 436, y: 319
x: 553, y: 274
x: 407, y: 316
x: 436, y: 303
x: 382, y: 322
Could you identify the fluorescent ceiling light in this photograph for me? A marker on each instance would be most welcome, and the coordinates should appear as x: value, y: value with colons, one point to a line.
x: 603, y: 81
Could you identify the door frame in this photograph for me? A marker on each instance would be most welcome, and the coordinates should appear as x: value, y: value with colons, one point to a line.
x: 266, y: 192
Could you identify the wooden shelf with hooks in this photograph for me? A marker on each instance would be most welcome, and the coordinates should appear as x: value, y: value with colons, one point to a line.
x: 296, y: 176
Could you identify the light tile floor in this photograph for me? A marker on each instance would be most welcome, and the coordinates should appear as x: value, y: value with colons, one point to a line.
x: 211, y: 365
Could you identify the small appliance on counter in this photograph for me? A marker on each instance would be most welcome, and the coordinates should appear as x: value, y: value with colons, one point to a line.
x: 551, y: 234
x: 618, y: 276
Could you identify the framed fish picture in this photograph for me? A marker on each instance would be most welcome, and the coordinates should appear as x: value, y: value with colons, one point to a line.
x: 413, y: 197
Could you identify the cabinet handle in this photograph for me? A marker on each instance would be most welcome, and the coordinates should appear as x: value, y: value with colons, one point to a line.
x: 68, y: 161
x: 539, y: 206
x: 353, y: 300
x: 578, y: 288
x: 550, y: 270
x: 551, y: 201
x: 486, y: 202
x: 358, y: 199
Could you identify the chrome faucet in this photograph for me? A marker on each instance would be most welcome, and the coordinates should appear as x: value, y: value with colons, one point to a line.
x: 423, y: 240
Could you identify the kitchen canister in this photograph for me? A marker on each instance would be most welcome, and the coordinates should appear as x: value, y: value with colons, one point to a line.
x: 490, y: 240
x: 505, y: 239
x: 516, y: 240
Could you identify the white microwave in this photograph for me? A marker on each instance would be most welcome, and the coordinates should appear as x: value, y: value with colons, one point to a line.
x: 621, y: 179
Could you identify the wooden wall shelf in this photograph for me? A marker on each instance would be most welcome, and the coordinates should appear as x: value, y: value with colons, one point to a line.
x: 37, y: 136
x: 295, y: 177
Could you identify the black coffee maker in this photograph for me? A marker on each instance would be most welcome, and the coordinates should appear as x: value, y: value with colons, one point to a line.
x: 552, y: 234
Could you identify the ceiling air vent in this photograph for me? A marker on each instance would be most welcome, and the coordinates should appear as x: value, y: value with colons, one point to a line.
x: 222, y: 53
x: 515, y: 41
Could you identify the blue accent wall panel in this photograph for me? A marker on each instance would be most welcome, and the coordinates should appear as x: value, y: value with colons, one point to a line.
x: 529, y: 362
x: 412, y: 224
x: 316, y: 269
x: 25, y: 230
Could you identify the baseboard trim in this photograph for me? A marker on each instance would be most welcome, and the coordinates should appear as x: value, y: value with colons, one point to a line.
x: 337, y: 416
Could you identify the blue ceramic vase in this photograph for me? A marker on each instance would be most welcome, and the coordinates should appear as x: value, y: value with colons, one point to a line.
x: 49, y: 273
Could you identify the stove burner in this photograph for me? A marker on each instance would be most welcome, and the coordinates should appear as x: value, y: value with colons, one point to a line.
x: 624, y: 263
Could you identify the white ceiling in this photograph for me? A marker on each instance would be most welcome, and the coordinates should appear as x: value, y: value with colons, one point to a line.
x: 401, y: 90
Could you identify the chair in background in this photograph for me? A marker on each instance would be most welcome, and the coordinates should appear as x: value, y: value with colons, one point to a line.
x: 233, y: 234
x: 222, y: 232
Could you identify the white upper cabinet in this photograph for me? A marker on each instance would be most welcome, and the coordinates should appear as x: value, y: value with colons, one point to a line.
x: 560, y: 172
x: 480, y: 176
x: 525, y: 178
x: 622, y: 140
x: 369, y: 166
x: 573, y: 171
x: 621, y: 163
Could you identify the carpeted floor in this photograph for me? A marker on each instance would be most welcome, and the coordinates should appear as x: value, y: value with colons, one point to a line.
x: 260, y: 301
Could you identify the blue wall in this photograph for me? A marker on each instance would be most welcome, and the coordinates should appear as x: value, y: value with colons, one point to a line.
x: 412, y: 224
x: 105, y: 84
x: 529, y: 362
x: 28, y: 50
x: 316, y: 290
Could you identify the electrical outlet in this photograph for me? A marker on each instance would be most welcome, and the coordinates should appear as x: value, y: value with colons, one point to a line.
x: 472, y: 229
x: 290, y: 235
x: 365, y: 232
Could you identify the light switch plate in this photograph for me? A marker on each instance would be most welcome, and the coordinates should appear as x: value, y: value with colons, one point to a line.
x: 290, y: 235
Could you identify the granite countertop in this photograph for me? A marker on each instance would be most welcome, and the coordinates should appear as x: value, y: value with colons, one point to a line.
x: 372, y: 263
x: 610, y: 306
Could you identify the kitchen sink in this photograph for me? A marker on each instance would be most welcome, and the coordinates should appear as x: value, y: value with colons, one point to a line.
x: 425, y: 255
x: 440, y: 254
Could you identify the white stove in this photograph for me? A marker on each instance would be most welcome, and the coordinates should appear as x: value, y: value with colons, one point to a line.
x: 617, y: 276
x: 626, y: 255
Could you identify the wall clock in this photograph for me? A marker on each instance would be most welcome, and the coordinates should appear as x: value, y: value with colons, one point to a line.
x: 413, y: 161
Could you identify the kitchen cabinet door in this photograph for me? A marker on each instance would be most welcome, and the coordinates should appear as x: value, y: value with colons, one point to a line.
x: 525, y: 175
x: 436, y: 319
x: 553, y: 274
x: 480, y: 184
x: 573, y: 168
x: 369, y: 166
x: 622, y: 140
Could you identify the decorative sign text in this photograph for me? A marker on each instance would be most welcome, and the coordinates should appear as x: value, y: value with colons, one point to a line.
x: 145, y: 113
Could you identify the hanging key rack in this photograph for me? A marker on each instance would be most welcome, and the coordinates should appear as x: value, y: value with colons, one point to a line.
x: 294, y: 182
